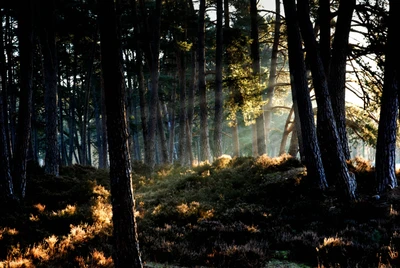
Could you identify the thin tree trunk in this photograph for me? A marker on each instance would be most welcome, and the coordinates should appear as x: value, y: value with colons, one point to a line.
x: 289, y: 126
x: 50, y: 64
x: 162, y: 138
x: 88, y: 85
x: 386, y: 143
x: 26, y: 48
x: 6, y: 183
x: 272, y: 72
x: 104, y: 138
x: 11, y: 88
x: 190, y: 107
x: 218, y: 111
x: 126, y: 251
x: 255, y: 57
x: 204, y: 138
x: 181, y: 64
x: 141, y: 85
x: 72, y: 129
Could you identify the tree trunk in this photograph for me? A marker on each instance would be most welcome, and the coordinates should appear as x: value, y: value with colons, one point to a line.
x: 301, y: 97
x: 272, y: 72
x: 161, y: 136
x: 204, y: 140
x: 289, y: 126
x: 386, y: 142
x: 26, y: 48
x: 50, y: 64
x: 6, y: 183
x: 218, y: 110
x: 255, y: 57
x: 337, y: 70
x: 11, y: 88
x: 190, y: 107
x: 72, y: 123
x: 181, y: 64
x: 104, y: 138
x: 126, y: 251
x: 332, y: 151
x: 4, y: 85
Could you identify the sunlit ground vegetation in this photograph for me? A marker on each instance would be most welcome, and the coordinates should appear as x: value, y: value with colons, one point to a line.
x: 241, y: 212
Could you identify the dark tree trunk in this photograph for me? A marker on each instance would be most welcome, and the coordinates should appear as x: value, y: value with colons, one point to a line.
x: 50, y: 64
x: 181, y: 64
x: 301, y: 97
x: 104, y: 139
x: 11, y: 88
x: 289, y: 126
x: 324, y: 24
x: 4, y: 85
x: 161, y: 135
x: 97, y: 118
x: 26, y: 48
x: 86, y: 106
x: 386, y: 142
x: 255, y: 57
x: 337, y: 70
x: 72, y: 123
x: 171, y: 120
x: 6, y: 183
x: 272, y: 72
x: 332, y: 151
x: 190, y: 107
x: 126, y: 251
x: 152, y: 50
x: 204, y: 138
x: 218, y: 112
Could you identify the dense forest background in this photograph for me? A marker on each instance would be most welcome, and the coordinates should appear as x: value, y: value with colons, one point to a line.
x: 185, y: 83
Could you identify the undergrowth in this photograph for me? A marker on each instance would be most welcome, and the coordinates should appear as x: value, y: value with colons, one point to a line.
x: 240, y: 212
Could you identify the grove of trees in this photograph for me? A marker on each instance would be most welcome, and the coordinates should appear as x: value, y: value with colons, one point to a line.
x: 106, y: 83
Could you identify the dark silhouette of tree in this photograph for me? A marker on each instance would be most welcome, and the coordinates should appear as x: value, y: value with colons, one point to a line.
x: 337, y: 70
x: 386, y: 142
x: 126, y: 251
x: 26, y: 48
x: 301, y: 97
x: 332, y: 151
x: 47, y: 23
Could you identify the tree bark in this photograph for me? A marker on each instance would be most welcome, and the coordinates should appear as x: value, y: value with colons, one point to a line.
x: 337, y: 70
x: 272, y: 72
x: 386, y: 143
x: 204, y: 138
x: 126, y: 251
x: 332, y: 151
x: 181, y: 64
x: 50, y: 64
x: 218, y: 112
x: 301, y: 97
x: 255, y: 57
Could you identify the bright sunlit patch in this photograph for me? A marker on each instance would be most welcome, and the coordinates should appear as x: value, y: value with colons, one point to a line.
x: 68, y: 210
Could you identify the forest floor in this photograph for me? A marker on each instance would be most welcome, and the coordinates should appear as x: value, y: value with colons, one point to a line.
x: 245, y: 212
